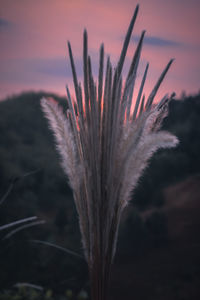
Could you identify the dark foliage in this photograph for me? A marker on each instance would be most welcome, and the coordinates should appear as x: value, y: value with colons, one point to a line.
x: 26, y: 146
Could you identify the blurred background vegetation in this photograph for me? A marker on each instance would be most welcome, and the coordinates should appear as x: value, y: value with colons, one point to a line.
x: 159, y: 245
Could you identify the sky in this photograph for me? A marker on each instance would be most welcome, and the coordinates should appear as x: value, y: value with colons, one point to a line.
x: 34, y: 35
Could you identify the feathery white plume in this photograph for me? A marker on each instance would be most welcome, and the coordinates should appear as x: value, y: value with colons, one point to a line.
x: 61, y: 128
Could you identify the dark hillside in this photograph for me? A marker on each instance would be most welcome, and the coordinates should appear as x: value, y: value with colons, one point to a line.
x: 159, y: 246
x: 27, y: 145
x: 169, y: 270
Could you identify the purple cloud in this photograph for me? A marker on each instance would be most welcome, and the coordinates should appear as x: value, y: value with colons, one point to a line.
x: 158, y: 41
x: 4, y: 24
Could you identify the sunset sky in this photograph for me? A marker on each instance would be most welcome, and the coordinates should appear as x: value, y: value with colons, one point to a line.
x: 34, y: 34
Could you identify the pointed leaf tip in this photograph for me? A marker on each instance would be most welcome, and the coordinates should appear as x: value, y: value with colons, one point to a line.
x: 126, y: 41
x: 102, y: 47
x: 156, y: 87
x: 85, y: 35
x: 137, y: 7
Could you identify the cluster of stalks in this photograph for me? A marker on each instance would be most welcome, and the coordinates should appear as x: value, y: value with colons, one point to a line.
x: 105, y: 145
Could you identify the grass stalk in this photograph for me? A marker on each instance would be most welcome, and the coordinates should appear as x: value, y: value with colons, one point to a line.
x: 105, y: 148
